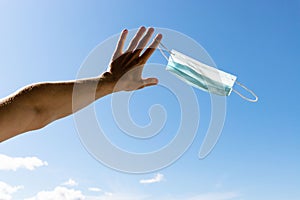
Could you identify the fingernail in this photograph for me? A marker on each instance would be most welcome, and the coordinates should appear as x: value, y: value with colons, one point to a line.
x: 151, y: 29
x: 155, y: 81
x: 159, y: 36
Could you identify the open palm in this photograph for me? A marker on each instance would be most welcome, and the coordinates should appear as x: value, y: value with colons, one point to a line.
x: 126, y: 67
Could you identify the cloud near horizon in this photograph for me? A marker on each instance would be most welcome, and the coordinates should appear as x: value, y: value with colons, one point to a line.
x: 59, y: 193
x: 94, y: 189
x: 156, y: 179
x: 70, y: 183
x: 63, y: 193
x: 14, y: 163
x: 7, y: 190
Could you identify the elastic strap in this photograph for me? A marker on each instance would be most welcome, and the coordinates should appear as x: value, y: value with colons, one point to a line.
x: 163, y: 48
x: 248, y: 90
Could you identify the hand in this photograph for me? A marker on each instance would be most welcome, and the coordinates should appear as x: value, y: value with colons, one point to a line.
x: 125, y: 69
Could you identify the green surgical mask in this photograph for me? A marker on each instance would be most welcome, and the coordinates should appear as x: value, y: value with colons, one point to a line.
x: 202, y: 76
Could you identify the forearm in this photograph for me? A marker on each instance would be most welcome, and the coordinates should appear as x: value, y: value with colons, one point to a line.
x: 60, y: 99
x: 37, y: 105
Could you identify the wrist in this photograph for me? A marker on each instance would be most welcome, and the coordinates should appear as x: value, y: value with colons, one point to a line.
x: 106, y: 84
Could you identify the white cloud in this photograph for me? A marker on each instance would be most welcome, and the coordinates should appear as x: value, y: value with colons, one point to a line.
x: 63, y: 193
x: 14, y: 163
x: 7, y: 190
x: 157, y: 178
x: 59, y: 193
x: 95, y: 189
x: 70, y: 183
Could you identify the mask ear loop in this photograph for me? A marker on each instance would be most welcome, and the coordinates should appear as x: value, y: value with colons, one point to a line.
x: 248, y: 90
x: 163, y: 48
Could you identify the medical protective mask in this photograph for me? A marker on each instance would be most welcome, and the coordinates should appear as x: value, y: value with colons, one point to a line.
x: 202, y: 76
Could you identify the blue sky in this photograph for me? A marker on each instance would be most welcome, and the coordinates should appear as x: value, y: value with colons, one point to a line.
x: 257, y: 155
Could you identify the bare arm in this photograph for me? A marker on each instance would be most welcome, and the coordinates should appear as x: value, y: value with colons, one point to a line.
x: 37, y: 105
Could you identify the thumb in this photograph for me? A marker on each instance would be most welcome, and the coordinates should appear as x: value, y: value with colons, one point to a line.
x: 149, y: 82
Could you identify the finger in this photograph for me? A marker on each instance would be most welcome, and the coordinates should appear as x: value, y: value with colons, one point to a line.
x: 136, y: 39
x: 120, y: 45
x: 149, y: 82
x: 149, y: 51
x: 145, y: 40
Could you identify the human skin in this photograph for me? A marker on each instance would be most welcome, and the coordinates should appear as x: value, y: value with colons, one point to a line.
x: 39, y: 104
